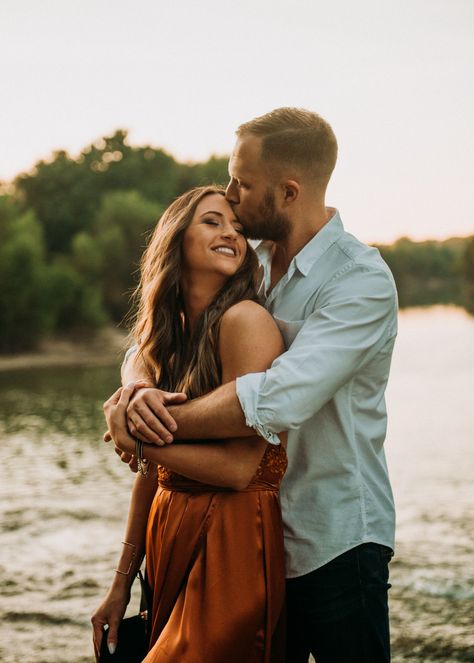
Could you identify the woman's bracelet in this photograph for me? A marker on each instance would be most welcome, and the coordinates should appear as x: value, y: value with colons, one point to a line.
x: 134, y: 550
x: 142, y: 463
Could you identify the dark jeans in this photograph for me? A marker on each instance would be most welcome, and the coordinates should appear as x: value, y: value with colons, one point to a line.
x: 339, y: 613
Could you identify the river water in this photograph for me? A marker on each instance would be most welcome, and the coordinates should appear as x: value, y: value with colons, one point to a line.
x: 64, y: 496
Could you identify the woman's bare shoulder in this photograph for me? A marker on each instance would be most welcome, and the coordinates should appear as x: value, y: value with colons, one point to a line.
x: 247, y: 314
x: 249, y: 338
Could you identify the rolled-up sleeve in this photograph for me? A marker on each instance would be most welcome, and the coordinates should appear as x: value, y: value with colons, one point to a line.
x: 248, y: 390
x: 354, y: 317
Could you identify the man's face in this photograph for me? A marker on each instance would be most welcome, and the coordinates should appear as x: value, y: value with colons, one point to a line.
x: 251, y: 192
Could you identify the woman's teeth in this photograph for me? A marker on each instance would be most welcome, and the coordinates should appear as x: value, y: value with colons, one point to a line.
x: 225, y: 250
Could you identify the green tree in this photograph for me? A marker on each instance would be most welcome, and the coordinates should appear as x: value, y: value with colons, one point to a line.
x: 23, y: 274
x: 65, y: 193
x: 123, y: 224
x: 72, y: 302
x: 469, y: 273
x: 61, y: 193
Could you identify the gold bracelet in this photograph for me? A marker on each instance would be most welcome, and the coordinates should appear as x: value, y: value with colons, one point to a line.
x: 131, y: 545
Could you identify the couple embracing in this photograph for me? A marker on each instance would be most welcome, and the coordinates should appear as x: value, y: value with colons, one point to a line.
x: 271, y: 361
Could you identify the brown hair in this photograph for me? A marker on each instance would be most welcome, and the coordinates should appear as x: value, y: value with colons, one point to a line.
x: 176, y: 357
x: 297, y: 138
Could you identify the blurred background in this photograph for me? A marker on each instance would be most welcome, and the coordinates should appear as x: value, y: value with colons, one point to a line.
x: 111, y: 109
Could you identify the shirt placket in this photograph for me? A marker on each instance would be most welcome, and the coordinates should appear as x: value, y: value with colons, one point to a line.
x: 271, y: 300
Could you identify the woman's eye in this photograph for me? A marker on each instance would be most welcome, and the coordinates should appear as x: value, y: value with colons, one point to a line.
x: 211, y: 222
x: 240, y: 230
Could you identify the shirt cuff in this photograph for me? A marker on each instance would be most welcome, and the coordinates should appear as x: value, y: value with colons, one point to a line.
x: 248, y: 388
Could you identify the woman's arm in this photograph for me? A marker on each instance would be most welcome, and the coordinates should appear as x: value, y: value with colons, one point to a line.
x: 249, y: 342
x: 113, y: 607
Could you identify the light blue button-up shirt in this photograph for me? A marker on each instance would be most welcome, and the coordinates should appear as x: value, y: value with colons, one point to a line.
x: 337, y: 310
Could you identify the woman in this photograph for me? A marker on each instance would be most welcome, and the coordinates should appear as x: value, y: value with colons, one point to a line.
x: 212, y: 527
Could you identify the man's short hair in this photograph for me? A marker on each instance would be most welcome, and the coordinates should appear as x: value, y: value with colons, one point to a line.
x: 297, y: 138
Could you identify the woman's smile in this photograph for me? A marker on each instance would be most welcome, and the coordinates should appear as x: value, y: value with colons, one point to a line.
x: 215, y: 228
x: 226, y: 250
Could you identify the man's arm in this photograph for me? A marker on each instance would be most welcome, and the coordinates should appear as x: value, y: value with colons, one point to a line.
x: 216, y: 415
x: 356, y: 318
x: 248, y: 339
x: 252, y: 353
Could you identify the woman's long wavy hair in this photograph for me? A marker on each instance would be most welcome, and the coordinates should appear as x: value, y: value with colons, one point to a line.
x: 178, y: 358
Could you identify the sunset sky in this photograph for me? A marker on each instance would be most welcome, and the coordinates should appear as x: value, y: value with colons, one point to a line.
x: 394, y: 78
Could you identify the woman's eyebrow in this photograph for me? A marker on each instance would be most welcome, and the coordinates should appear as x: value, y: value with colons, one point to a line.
x: 234, y: 220
x: 211, y: 212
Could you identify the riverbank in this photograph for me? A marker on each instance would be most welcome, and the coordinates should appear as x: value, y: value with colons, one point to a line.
x: 104, y: 348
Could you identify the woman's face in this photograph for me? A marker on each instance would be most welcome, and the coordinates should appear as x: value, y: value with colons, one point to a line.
x: 214, y: 241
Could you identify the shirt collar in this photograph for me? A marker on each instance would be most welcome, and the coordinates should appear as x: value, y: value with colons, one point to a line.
x: 311, y: 252
x: 319, y: 244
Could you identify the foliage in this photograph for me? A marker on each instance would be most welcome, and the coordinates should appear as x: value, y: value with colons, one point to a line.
x: 72, y: 234
x: 66, y: 193
x: 123, y: 224
x: 74, y: 228
x: 23, y: 314
x: 427, y: 272
x: 469, y: 274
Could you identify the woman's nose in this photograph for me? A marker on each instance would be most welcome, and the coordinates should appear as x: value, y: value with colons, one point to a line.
x: 229, y: 231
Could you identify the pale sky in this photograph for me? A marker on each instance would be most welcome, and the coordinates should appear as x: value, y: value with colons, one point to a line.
x: 394, y: 78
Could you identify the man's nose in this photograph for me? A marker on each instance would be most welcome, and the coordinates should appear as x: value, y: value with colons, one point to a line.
x: 231, y: 194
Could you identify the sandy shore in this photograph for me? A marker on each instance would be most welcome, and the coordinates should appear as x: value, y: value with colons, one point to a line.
x: 102, y: 349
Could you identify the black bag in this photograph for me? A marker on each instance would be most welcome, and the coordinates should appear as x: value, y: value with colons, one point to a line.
x: 133, y: 633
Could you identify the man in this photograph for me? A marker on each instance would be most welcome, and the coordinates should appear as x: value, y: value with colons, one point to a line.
x: 334, y: 300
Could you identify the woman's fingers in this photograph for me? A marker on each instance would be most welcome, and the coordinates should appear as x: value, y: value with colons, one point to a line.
x: 142, y: 423
x: 112, y: 635
x: 149, y: 417
x: 143, y: 384
x: 97, y: 635
x: 133, y: 464
x: 175, y: 397
x: 170, y: 398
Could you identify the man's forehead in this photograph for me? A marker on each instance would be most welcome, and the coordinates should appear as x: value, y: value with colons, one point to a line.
x: 246, y: 153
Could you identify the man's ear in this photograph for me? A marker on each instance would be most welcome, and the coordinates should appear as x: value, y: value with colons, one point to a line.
x: 291, y: 191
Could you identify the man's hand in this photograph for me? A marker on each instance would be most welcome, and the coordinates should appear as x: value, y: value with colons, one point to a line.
x: 147, y: 416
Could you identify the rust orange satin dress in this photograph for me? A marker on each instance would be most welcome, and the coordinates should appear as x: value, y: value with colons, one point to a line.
x: 215, y: 563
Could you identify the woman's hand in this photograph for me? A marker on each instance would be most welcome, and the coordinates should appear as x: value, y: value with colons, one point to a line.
x: 148, y: 417
x: 110, y: 612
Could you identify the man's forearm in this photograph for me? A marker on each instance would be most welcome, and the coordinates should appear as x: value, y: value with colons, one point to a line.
x: 216, y: 415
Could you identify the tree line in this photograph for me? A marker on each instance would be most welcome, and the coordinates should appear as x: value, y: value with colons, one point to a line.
x: 73, y: 229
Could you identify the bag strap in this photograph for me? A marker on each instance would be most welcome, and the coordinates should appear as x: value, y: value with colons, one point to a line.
x: 145, y: 603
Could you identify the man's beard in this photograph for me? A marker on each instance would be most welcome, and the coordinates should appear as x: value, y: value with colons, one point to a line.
x: 267, y: 223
